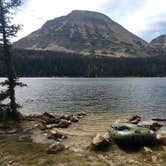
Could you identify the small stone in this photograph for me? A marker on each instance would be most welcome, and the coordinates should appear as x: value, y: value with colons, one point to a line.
x: 55, y: 148
x: 147, y: 150
x: 135, y: 119
x: 50, y: 126
x: 48, y: 115
x: 154, y: 158
x: 54, y: 134
x: 66, y: 117
x: 27, y: 130
x: 41, y: 126
x: 13, y: 131
x: 74, y: 119
x: 107, y: 136
x: 131, y: 161
x: 81, y: 115
x: 164, y: 148
x: 64, y: 123
x: 91, y: 158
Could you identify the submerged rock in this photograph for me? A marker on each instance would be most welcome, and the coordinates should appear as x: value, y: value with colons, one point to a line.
x: 55, y: 148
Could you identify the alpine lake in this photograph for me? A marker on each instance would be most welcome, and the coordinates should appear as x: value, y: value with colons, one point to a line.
x: 104, y: 101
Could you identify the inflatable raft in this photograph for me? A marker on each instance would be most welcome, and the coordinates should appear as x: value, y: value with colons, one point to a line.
x: 130, y: 134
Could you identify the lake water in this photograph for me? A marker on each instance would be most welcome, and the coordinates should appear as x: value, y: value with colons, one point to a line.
x: 117, y: 96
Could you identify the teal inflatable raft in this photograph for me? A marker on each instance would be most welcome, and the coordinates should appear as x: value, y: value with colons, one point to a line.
x: 130, y: 134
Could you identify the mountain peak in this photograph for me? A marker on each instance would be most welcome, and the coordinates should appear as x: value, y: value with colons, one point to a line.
x: 159, y: 41
x: 86, y: 13
x: 83, y: 31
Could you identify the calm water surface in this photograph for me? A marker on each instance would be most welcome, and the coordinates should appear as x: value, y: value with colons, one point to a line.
x: 145, y: 96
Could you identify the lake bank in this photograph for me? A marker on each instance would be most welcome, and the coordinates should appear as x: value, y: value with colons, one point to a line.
x: 17, y: 148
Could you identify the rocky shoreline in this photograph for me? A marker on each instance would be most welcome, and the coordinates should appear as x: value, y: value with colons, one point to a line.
x: 54, y: 132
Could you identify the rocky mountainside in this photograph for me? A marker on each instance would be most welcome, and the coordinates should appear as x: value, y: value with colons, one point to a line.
x: 86, y: 32
x: 159, y: 42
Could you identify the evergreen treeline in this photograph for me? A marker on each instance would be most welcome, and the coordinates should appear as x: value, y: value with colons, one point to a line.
x: 29, y: 63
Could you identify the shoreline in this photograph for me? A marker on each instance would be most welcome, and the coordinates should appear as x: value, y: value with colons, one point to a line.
x: 32, y: 141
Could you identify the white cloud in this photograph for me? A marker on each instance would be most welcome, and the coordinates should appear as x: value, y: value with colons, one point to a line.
x: 138, y: 16
x: 36, y: 12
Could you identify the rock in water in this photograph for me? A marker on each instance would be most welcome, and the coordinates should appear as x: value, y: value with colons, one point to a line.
x: 48, y: 115
x: 49, y: 118
x: 64, y: 123
x: 150, y: 124
x: 74, y: 119
x: 55, y: 148
x: 135, y: 119
x: 100, y: 143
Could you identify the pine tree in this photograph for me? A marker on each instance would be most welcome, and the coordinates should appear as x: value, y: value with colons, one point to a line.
x: 8, y: 30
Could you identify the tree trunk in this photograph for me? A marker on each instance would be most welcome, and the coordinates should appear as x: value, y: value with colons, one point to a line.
x: 8, y: 61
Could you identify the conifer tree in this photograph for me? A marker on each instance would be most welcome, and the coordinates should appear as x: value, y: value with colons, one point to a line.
x: 7, y: 31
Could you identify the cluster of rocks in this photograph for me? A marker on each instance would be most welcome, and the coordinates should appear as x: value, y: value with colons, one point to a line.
x: 49, y: 123
x: 59, y: 121
x: 151, y: 124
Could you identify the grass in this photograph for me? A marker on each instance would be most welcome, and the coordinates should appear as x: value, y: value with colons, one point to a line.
x: 32, y: 154
x: 26, y: 153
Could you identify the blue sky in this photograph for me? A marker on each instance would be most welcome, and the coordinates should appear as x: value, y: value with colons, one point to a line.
x: 145, y: 18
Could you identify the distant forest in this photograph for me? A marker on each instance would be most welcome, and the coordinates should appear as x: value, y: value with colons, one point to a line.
x: 29, y: 63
